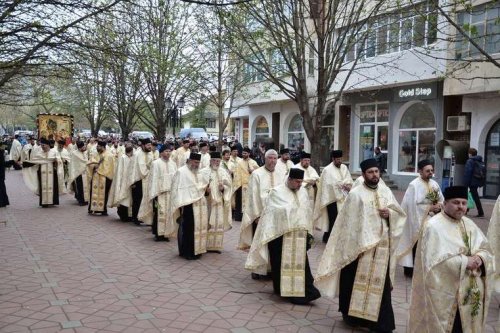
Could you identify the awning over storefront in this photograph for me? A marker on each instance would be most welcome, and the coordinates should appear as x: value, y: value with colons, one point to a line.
x: 459, y: 148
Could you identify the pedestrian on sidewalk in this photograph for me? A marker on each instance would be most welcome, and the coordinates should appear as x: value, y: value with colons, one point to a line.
x: 4, y: 199
x: 475, y: 177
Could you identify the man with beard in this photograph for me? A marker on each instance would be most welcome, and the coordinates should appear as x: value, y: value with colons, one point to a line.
x: 121, y: 194
x: 285, y: 228
x: 78, y: 175
x: 16, y: 152
x: 139, y: 176
x: 359, y: 257
x: 422, y: 200
x: 181, y: 154
x: 261, y: 181
x: 64, y: 156
x: 454, y: 264
x: 219, y: 204
x: 49, y: 174
x: 205, y: 156
x: 189, y: 191
x: 236, y: 203
x: 156, y: 206
x: 244, y: 169
x: 284, y: 164
x: 102, y: 169
x: 334, y: 185
x: 311, y: 177
x: 27, y: 149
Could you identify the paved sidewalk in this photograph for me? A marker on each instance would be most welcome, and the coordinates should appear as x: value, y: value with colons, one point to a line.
x: 63, y: 270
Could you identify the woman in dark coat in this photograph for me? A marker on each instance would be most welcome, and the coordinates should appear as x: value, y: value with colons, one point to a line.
x: 4, y: 199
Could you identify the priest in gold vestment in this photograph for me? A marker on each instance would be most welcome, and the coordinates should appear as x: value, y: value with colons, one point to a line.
x: 494, y: 238
x: 244, y: 168
x: 78, y: 178
x: 422, y: 199
x: 120, y: 195
x: 102, y: 170
x: 359, y: 259
x: 311, y: 177
x: 156, y: 205
x: 334, y: 185
x: 218, y: 203
x: 452, y: 278
x: 181, y: 154
x: 282, y: 238
x: 283, y: 164
x: 189, y: 191
x: 44, y: 174
x: 138, y: 178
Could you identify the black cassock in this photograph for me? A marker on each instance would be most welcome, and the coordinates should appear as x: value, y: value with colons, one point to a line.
x: 185, y: 234
x: 332, y: 216
x: 136, y: 199
x: 275, y: 250
x: 78, y: 188
x: 4, y: 199
x: 385, y: 321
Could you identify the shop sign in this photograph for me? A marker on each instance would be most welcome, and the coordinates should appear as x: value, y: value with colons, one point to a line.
x: 423, y: 91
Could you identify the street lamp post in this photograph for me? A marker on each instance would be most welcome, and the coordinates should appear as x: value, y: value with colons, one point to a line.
x: 175, y: 112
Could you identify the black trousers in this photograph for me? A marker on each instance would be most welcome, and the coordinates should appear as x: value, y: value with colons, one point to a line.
x: 78, y: 188
x: 275, y: 250
x: 123, y: 213
x: 332, y: 216
x: 185, y: 234
x: 385, y: 322
x: 477, y: 201
x: 154, y: 226
x: 136, y: 199
x: 238, y: 206
x: 457, y: 324
x: 408, y: 271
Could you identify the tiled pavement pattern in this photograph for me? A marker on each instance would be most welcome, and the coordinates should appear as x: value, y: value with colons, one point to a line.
x: 62, y: 270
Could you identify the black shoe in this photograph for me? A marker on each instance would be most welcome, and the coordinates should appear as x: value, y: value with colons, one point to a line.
x: 81, y: 204
x: 479, y: 215
x: 256, y: 276
x: 161, y: 239
x: 198, y: 256
x: 408, y: 271
x: 349, y: 321
x: 214, y: 251
x: 137, y: 222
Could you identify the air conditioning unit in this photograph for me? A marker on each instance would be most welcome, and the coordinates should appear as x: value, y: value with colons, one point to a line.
x: 457, y: 124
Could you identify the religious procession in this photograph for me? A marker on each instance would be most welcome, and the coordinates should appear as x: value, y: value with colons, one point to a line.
x: 193, y: 192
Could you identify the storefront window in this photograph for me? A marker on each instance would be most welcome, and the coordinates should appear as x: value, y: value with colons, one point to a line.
x: 492, y: 158
x: 262, y: 128
x: 245, y: 140
x: 296, y: 133
x: 327, y: 134
x: 373, y: 129
x: 417, y: 137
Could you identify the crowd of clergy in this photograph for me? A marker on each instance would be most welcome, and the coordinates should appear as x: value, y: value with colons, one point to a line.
x: 195, y: 194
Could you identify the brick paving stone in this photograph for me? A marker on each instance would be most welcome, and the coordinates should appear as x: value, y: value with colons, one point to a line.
x: 59, y: 266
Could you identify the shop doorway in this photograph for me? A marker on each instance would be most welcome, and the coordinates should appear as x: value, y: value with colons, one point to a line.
x: 276, y: 129
x: 492, y: 160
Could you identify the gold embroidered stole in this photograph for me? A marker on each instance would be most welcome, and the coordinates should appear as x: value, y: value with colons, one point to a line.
x: 370, y: 277
x: 293, y: 263
x: 215, y: 235
x: 98, y: 193
x: 200, y: 223
x: 163, y: 208
x: 47, y: 183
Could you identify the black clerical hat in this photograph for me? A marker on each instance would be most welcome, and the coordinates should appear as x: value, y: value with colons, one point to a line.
x: 367, y: 164
x: 305, y: 155
x: 454, y: 192
x: 145, y: 141
x: 247, y: 150
x: 203, y: 144
x: 44, y: 141
x: 422, y: 164
x: 284, y: 151
x: 166, y: 146
x: 215, y: 154
x: 195, y: 156
x: 336, y: 154
x: 296, y: 173
x: 101, y: 143
x: 80, y: 144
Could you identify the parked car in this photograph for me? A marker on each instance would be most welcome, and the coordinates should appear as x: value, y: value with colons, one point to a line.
x: 193, y: 133
x: 142, y: 135
x: 85, y: 133
x: 213, y: 138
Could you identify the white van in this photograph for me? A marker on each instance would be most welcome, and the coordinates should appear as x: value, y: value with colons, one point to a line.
x: 193, y: 133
